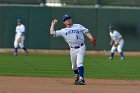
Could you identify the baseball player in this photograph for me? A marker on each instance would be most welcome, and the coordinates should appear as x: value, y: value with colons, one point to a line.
x: 73, y: 35
x: 117, y: 42
x: 19, y: 37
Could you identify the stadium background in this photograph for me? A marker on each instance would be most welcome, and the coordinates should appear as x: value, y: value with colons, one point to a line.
x: 93, y: 14
x: 22, y: 73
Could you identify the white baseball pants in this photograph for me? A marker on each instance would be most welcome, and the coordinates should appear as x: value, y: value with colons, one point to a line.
x: 119, y: 47
x: 77, y: 56
x: 21, y: 44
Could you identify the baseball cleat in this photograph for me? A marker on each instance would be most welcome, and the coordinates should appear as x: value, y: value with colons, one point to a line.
x: 122, y: 58
x: 81, y: 82
x: 15, y: 54
x: 110, y: 58
x: 76, y: 79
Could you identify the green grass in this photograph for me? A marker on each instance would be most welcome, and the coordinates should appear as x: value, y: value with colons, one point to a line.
x: 60, y: 66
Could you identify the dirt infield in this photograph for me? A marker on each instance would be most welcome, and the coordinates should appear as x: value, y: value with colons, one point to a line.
x: 64, y: 85
x: 66, y: 52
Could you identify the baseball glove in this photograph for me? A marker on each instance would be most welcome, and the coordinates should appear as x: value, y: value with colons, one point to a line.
x: 19, y: 40
x: 93, y: 42
x: 116, y: 44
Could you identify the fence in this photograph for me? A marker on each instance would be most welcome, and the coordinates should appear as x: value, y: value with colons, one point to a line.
x: 37, y: 21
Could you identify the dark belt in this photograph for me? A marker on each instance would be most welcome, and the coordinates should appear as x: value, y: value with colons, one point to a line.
x: 76, y: 47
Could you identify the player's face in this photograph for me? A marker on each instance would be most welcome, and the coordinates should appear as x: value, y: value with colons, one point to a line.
x: 68, y: 21
x: 110, y: 30
x: 18, y: 23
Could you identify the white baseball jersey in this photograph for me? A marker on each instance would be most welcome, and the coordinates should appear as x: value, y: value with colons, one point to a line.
x: 20, y: 29
x: 73, y: 35
x: 115, y: 35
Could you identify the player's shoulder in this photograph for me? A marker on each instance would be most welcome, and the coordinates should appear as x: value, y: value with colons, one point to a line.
x: 22, y: 25
x: 63, y: 29
x: 116, y: 32
x: 76, y: 25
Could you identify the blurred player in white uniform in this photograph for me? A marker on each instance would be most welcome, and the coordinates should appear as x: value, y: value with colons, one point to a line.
x: 19, y: 37
x: 73, y: 35
x: 117, y: 42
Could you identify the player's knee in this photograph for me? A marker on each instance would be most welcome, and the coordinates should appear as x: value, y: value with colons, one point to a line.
x: 21, y: 46
x: 80, y: 64
x: 112, y: 51
x: 119, y: 50
x: 15, y: 45
x: 74, y: 67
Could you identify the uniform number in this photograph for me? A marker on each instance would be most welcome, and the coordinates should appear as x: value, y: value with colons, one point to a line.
x: 77, y: 36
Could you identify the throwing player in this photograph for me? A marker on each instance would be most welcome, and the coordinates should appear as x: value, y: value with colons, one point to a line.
x: 73, y: 35
x: 19, y: 37
x: 117, y: 42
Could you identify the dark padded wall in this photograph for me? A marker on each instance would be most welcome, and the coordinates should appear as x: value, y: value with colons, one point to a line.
x: 37, y: 21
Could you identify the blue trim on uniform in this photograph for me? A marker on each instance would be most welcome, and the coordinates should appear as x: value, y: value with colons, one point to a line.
x: 81, y: 71
x: 76, y: 71
x: 121, y: 54
x: 22, y: 33
x: 24, y: 49
x: 76, y: 47
x: 16, y: 50
x: 112, y: 54
x: 66, y: 33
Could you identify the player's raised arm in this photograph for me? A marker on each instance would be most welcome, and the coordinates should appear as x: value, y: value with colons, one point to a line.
x: 52, y: 31
x: 91, y: 38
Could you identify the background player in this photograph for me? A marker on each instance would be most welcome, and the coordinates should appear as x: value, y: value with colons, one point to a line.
x: 117, y: 42
x: 73, y: 35
x: 19, y: 37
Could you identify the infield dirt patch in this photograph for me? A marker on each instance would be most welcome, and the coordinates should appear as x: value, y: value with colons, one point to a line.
x: 10, y: 84
x: 66, y: 52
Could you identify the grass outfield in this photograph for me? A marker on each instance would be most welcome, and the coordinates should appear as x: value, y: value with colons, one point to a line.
x: 60, y: 66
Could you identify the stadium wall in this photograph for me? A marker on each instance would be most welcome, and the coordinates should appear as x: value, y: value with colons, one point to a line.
x: 37, y: 21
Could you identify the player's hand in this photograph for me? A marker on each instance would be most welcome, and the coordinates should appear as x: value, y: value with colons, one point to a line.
x: 116, y: 44
x: 54, y: 21
x: 93, y: 42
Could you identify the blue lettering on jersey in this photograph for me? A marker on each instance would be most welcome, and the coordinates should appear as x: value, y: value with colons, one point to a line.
x: 72, y: 31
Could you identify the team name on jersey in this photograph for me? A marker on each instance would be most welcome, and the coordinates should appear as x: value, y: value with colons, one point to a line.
x: 72, y: 31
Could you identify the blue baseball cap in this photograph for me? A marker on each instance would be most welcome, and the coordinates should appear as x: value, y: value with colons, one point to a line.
x: 111, y: 27
x: 66, y: 16
x: 19, y: 20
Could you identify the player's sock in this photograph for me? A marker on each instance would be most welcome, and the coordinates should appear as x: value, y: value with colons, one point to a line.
x: 121, y: 54
x: 81, y: 71
x: 112, y: 54
x: 15, y: 51
x: 24, y: 49
x: 76, y: 72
